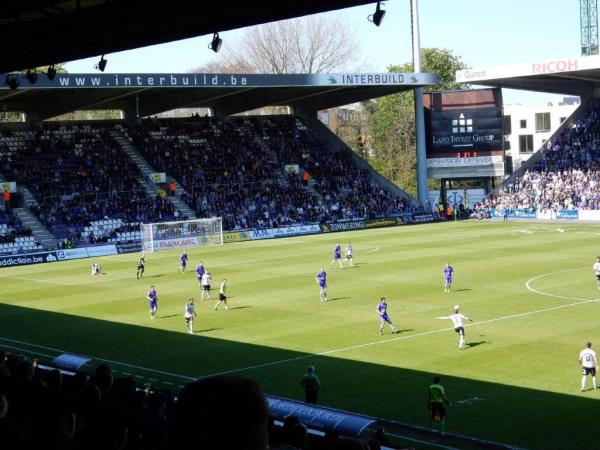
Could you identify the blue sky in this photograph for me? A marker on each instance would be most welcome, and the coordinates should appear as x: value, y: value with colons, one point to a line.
x: 482, y: 32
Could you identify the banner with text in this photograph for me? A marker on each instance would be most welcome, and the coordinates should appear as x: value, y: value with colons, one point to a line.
x: 129, y: 247
x: 220, y: 80
x: 236, y: 236
x: 165, y: 244
x: 34, y: 258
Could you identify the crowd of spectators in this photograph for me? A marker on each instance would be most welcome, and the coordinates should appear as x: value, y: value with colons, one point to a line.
x: 226, y: 172
x: 13, y: 228
x: 347, y: 191
x: 78, y: 174
x: 566, y: 177
x: 44, y: 408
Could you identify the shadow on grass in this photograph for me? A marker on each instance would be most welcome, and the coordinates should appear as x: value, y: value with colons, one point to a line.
x: 514, y: 415
x: 476, y: 344
x: 335, y: 299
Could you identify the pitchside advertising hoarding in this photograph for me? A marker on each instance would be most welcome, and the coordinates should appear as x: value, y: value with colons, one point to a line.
x: 465, y: 136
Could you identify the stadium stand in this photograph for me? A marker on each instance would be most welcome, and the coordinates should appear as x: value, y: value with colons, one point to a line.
x: 14, y: 237
x: 234, y: 168
x: 85, y: 187
x: 567, y: 176
x: 87, y: 190
x: 44, y: 407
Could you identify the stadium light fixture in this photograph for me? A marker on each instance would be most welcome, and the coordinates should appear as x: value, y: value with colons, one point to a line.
x: 378, y: 16
x: 12, y: 80
x: 101, y: 64
x: 51, y: 72
x: 31, y: 76
x: 215, y: 44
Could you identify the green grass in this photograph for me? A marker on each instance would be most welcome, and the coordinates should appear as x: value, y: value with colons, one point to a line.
x: 524, y: 367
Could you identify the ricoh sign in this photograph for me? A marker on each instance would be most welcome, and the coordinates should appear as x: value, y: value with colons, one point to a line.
x: 560, y: 65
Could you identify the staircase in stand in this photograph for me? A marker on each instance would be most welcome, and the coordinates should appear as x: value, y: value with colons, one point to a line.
x: 41, y: 234
x: 123, y: 140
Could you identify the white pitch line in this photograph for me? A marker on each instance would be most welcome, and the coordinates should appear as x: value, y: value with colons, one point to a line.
x: 342, y: 349
x: 39, y: 281
x: 528, y: 285
x: 428, y: 443
x: 372, y: 250
x: 28, y: 351
x: 147, y: 369
x: 400, y: 338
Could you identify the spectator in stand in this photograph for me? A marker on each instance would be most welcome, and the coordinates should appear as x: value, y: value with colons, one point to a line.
x: 566, y: 177
x: 6, y: 197
x: 220, y: 412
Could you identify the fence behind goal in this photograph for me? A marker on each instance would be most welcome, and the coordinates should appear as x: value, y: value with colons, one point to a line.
x: 185, y: 233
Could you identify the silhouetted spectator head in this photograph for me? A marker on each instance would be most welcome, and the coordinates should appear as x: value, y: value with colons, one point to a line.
x: 54, y: 380
x: 23, y: 371
x: 221, y: 412
x: 3, y: 406
x: 156, y: 402
x: 296, y: 435
x: 104, y: 379
x: 348, y: 443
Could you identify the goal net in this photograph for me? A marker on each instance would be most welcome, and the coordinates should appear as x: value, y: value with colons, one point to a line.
x: 185, y: 233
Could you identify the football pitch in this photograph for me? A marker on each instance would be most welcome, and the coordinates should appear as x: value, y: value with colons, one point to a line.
x: 529, y: 288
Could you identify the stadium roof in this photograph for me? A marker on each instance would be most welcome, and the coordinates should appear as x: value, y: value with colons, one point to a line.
x: 43, y: 32
x: 571, y: 76
x: 225, y: 93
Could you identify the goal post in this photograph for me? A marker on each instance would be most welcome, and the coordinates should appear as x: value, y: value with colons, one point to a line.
x: 184, y: 233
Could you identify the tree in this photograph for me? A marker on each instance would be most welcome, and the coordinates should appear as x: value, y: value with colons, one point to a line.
x: 391, y: 119
x: 312, y: 44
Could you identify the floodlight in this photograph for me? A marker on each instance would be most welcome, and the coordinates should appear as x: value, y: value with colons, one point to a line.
x: 12, y: 80
x: 31, y: 76
x: 378, y: 16
x: 101, y: 64
x: 51, y: 72
x: 215, y: 44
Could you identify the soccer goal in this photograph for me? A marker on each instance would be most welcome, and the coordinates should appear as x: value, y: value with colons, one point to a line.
x: 185, y: 233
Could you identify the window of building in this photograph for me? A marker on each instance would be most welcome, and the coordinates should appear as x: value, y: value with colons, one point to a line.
x: 506, y: 145
x: 562, y: 119
x: 542, y: 122
x: 523, y: 123
x: 507, y: 125
x: 526, y: 143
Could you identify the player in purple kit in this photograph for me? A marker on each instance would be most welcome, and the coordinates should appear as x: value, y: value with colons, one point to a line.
x: 199, y: 272
x: 448, y: 274
x: 322, y: 282
x: 152, y: 302
x: 337, y: 256
x: 383, y: 316
x: 183, y: 261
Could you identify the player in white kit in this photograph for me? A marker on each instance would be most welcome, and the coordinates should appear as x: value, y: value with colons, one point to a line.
x: 596, y: 268
x: 457, y: 319
x: 589, y: 363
